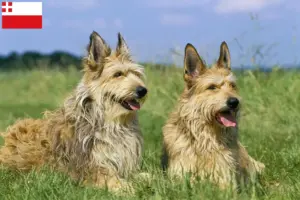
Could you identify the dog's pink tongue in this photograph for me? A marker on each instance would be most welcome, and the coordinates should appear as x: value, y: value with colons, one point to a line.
x: 134, y: 105
x: 227, y: 120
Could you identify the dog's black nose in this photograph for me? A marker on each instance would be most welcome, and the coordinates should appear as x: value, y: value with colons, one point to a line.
x: 141, y: 91
x: 232, y: 102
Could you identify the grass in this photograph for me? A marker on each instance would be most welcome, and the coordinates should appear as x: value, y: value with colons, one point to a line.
x: 269, y: 129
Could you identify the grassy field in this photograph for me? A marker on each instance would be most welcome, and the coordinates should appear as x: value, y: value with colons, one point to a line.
x: 269, y: 128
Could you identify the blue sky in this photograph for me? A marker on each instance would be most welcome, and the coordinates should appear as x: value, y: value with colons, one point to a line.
x: 152, y: 28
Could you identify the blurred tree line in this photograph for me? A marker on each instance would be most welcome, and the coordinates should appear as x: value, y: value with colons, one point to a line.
x: 33, y: 60
x: 63, y: 60
x: 56, y: 60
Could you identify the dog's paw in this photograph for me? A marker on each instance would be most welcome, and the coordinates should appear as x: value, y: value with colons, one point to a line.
x: 143, y: 176
x: 259, y: 167
x: 121, y: 187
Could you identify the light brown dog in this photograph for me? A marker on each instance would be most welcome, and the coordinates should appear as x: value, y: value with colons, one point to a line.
x: 95, y: 135
x: 201, y: 135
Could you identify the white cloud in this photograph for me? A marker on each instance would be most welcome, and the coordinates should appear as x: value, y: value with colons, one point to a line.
x: 176, y: 3
x: 219, y: 6
x: 118, y: 23
x: 176, y: 19
x: 230, y: 6
x: 74, y: 4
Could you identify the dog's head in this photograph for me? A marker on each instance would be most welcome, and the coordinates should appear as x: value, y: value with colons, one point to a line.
x: 211, y: 92
x: 114, y: 81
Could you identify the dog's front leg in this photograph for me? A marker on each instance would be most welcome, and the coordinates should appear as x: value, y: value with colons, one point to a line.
x: 248, y: 163
x: 258, y: 166
x: 114, y: 183
x: 110, y: 181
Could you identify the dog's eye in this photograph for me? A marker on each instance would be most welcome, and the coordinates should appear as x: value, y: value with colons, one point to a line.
x: 212, y: 87
x: 233, y: 85
x: 118, y: 74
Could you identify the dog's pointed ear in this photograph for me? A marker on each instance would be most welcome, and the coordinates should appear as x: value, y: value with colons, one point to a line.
x: 122, y: 48
x: 224, y: 58
x: 97, y: 51
x: 193, y: 64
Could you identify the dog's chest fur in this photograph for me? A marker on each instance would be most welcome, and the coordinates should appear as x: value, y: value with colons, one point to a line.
x: 202, y: 150
x: 217, y: 155
x: 117, y: 147
x: 90, y: 143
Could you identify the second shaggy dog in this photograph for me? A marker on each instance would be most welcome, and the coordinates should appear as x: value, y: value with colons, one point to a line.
x: 201, y: 135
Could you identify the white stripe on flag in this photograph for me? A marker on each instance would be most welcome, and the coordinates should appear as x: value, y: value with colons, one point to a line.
x: 24, y: 8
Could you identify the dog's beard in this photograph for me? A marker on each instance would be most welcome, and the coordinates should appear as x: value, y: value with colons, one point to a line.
x: 128, y: 103
x: 223, y: 117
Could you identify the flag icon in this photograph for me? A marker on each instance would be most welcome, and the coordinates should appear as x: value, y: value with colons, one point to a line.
x: 22, y: 15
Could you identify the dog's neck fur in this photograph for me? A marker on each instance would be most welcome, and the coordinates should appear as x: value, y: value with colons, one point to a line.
x: 206, y: 144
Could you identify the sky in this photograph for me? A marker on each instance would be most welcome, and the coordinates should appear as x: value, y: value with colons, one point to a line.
x: 258, y: 32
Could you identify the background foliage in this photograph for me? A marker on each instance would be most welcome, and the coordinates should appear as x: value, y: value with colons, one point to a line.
x: 269, y: 128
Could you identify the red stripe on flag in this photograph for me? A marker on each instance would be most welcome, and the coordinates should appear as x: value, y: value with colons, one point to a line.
x: 22, y: 22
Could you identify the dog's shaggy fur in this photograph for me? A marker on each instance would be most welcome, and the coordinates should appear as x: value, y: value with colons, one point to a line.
x: 201, y: 135
x: 95, y: 135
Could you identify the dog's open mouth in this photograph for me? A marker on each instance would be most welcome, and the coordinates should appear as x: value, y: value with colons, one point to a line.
x: 131, y: 104
x: 227, y: 118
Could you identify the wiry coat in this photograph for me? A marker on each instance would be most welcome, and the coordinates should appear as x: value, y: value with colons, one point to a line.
x: 91, y: 137
x: 194, y: 141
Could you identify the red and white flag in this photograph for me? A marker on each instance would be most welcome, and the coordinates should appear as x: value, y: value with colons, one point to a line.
x: 22, y: 15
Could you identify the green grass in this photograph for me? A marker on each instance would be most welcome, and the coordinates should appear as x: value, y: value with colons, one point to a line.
x: 269, y: 128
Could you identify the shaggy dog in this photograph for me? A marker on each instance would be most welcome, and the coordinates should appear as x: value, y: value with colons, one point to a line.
x: 201, y: 135
x: 95, y: 135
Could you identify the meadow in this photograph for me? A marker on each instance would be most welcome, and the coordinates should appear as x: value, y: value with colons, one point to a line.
x: 269, y: 128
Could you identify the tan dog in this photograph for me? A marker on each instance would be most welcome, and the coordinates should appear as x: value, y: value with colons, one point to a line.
x: 95, y: 135
x: 201, y: 135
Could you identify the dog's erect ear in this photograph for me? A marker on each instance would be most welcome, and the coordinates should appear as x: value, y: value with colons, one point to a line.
x: 122, y: 48
x: 193, y: 64
x: 224, y: 59
x: 97, y: 51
